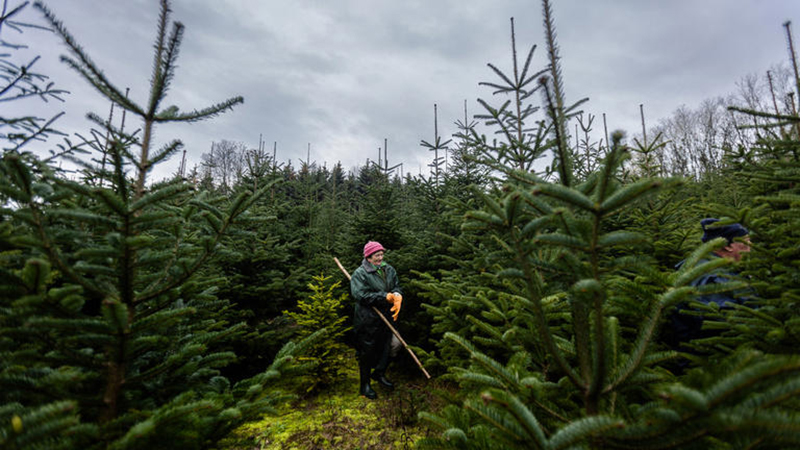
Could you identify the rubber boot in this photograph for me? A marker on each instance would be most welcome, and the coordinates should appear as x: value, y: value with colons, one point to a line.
x: 381, y: 378
x: 366, y: 389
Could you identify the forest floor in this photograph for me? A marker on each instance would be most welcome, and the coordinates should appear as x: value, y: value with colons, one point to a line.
x: 337, y: 417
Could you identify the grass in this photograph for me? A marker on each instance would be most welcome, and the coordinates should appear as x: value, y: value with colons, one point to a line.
x: 337, y: 417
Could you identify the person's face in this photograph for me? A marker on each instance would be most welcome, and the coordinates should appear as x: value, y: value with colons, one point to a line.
x: 735, y: 249
x: 376, y: 258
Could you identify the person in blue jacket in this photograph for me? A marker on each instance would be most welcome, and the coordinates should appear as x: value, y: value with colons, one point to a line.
x: 374, y: 284
x: 687, y: 327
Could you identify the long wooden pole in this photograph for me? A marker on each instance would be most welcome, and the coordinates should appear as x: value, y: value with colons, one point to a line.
x: 389, y: 324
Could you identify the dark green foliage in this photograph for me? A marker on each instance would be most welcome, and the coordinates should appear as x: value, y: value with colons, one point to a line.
x: 667, y: 219
x: 135, y: 313
x: 52, y: 426
x: 257, y: 275
x: 767, y: 176
x: 465, y: 168
x: 156, y: 350
x: 378, y: 217
x: 103, y: 306
x: 557, y: 304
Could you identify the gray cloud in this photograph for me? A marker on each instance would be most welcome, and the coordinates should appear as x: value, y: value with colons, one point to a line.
x: 345, y: 75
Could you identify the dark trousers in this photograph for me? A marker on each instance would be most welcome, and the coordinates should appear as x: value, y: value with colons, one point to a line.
x: 374, y: 356
x: 384, y: 358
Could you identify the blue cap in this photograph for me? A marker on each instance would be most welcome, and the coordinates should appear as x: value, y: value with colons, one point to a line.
x: 728, y: 232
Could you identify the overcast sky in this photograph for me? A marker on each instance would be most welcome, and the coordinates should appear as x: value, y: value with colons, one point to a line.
x: 344, y: 75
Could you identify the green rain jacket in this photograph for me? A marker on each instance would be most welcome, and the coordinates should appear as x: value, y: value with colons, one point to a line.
x: 369, y: 286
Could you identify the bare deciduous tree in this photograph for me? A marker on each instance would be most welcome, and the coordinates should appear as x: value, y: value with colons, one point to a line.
x: 225, y: 163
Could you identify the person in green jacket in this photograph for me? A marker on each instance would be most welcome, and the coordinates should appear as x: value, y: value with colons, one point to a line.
x: 374, y: 284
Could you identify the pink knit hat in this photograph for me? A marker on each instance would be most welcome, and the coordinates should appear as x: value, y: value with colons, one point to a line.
x: 372, y: 247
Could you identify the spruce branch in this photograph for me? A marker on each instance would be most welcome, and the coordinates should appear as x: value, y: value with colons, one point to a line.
x: 159, y: 79
x: 781, y: 117
x: 534, y: 432
x: 555, y: 101
x: 201, y: 114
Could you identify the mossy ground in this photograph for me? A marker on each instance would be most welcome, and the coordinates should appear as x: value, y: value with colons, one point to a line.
x: 337, y: 417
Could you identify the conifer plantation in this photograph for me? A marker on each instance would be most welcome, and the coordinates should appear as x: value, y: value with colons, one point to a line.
x: 540, y: 269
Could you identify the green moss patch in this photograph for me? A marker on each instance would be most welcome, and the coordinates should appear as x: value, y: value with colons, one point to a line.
x: 337, y: 417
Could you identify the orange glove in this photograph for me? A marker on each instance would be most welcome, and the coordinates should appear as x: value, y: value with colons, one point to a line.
x: 393, y: 299
x: 398, y: 302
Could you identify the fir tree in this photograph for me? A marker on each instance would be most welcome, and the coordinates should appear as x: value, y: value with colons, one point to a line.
x: 768, y: 175
x: 560, y: 324
x: 438, y: 165
x: 104, y: 309
x: 322, y: 310
x: 521, y: 143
